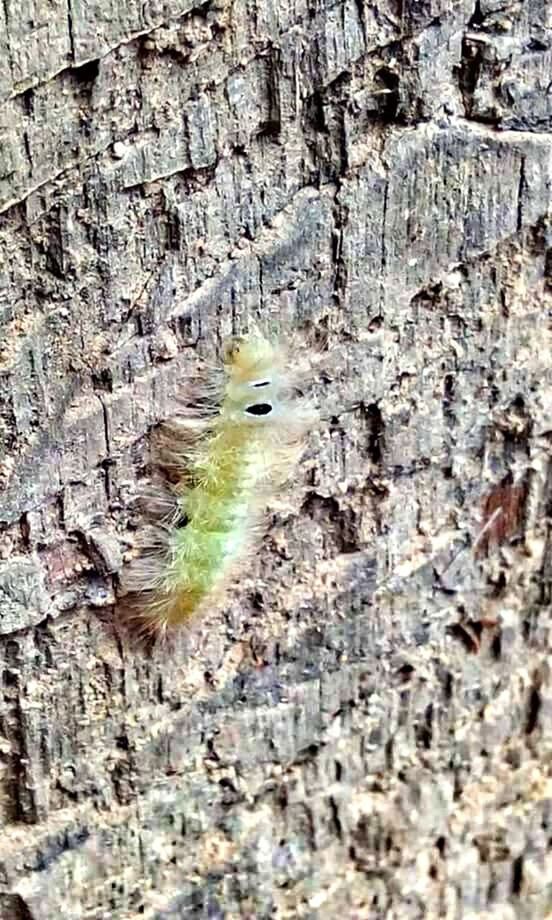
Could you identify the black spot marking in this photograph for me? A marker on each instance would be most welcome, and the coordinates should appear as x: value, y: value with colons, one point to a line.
x: 259, y: 409
x: 260, y: 383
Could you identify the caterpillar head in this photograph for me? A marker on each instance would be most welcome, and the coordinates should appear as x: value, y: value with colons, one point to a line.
x: 250, y: 356
x: 253, y: 365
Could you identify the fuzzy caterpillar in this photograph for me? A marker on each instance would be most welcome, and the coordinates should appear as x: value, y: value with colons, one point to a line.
x: 226, y: 467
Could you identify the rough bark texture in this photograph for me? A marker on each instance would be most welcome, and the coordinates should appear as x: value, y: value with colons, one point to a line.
x: 364, y: 729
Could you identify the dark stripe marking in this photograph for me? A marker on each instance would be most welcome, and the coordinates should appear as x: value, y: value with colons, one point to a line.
x: 259, y: 409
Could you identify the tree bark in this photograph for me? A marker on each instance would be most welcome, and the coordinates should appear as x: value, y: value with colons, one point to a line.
x: 363, y: 728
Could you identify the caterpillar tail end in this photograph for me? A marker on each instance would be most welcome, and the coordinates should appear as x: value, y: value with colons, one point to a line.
x: 151, y: 620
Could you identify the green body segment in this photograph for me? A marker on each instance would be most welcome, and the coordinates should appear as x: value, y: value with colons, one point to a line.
x: 218, y: 510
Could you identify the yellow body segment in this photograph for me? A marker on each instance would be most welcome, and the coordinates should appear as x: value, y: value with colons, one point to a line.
x: 218, y: 510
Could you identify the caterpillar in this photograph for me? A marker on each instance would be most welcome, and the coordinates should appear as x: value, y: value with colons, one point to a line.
x: 227, y: 457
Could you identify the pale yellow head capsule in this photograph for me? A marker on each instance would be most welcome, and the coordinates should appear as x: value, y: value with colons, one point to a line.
x: 253, y: 367
x: 249, y: 357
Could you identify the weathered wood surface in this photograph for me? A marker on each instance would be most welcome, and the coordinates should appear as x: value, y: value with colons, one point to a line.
x: 364, y: 729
